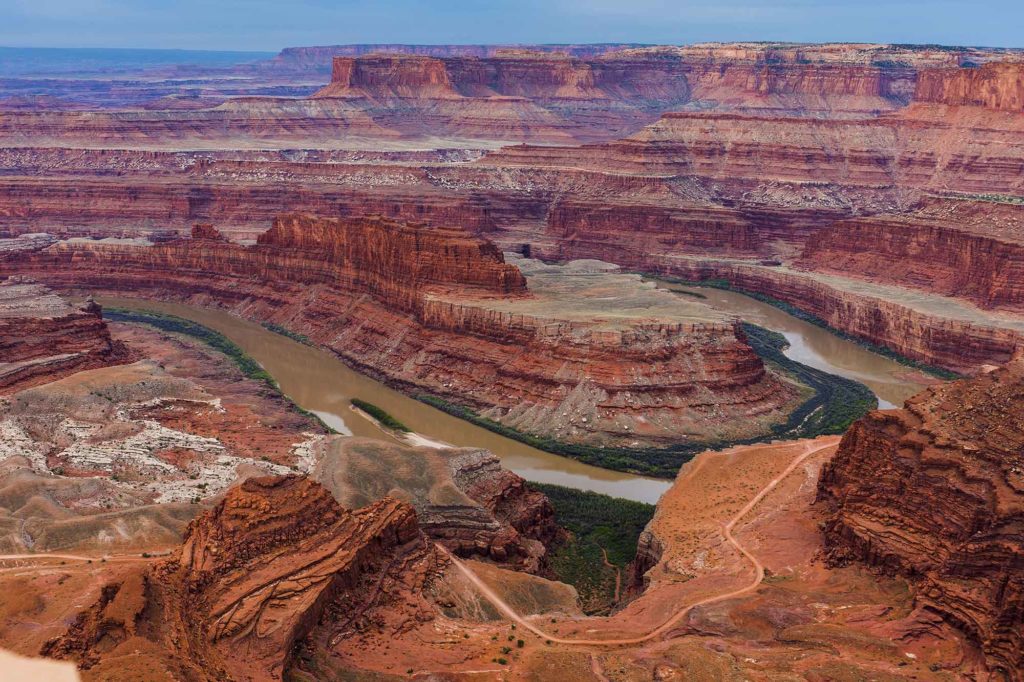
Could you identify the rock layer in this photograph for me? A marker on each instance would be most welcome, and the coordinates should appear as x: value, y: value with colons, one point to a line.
x: 935, y: 492
x: 993, y: 86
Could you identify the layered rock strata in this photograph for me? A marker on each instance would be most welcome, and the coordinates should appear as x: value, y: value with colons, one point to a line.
x: 44, y: 337
x: 993, y: 86
x: 967, y: 249
x: 775, y: 153
x: 935, y: 492
x: 269, y: 567
x: 435, y: 311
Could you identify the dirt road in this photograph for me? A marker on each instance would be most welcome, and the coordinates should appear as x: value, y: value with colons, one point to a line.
x: 681, y: 613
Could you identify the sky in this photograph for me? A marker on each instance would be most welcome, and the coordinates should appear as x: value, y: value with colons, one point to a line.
x: 268, y: 25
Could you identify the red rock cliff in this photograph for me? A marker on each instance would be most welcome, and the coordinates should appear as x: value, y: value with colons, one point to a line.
x: 993, y: 86
x: 409, y: 305
x: 530, y: 75
x: 42, y: 337
x: 276, y: 562
x: 972, y: 250
x: 389, y: 76
x: 935, y: 492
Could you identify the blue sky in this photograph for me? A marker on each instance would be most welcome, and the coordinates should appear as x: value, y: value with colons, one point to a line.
x: 273, y: 24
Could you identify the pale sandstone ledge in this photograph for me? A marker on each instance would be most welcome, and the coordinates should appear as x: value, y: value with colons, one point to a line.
x: 23, y: 298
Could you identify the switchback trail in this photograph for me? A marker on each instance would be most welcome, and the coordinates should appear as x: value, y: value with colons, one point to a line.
x: 502, y: 606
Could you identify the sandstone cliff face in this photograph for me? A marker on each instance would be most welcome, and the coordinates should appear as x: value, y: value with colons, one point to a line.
x: 984, y: 155
x: 801, y: 88
x: 388, y: 76
x: 388, y: 255
x: 276, y: 562
x: 960, y: 345
x: 645, y: 82
x: 935, y: 492
x: 993, y: 86
x: 942, y: 254
x: 43, y: 338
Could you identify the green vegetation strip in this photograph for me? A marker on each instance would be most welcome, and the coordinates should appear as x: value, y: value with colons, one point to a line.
x: 381, y: 416
x: 810, y: 318
x: 284, y: 331
x: 177, y: 325
x: 597, y: 522
x: 835, y: 404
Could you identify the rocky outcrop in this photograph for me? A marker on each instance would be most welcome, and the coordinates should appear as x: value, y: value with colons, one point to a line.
x: 275, y: 563
x: 534, y: 76
x: 993, y: 86
x: 389, y: 76
x: 464, y: 498
x: 935, y: 492
x: 649, y: 552
x: 42, y: 337
x: 507, y: 496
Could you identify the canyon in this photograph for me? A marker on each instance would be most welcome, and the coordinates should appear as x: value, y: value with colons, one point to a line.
x: 495, y: 229
x: 440, y: 312
x: 848, y: 135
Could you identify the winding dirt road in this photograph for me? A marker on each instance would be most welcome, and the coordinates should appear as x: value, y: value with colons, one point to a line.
x: 502, y: 606
x: 75, y: 557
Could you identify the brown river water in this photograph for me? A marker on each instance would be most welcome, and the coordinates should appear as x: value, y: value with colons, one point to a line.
x: 317, y: 381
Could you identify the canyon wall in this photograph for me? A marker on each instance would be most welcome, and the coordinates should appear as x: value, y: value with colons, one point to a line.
x: 656, y: 82
x: 878, y: 317
x: 935, y: 492
x: 993, y: 86
x: 970, y: 250
x: 814, y: 156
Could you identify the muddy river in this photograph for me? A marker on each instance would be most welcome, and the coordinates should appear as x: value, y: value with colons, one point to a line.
x: 319, y: 382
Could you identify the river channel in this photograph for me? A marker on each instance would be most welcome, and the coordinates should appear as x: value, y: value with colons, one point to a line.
x: 319, y: 382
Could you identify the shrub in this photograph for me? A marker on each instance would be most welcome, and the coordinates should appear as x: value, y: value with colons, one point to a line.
x: 380, y: 415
